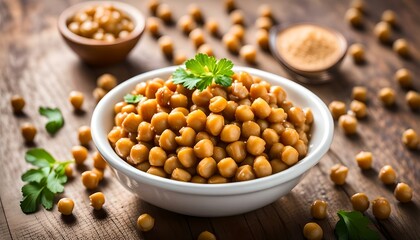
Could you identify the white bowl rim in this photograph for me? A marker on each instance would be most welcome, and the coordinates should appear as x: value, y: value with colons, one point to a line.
x: 103, y: 146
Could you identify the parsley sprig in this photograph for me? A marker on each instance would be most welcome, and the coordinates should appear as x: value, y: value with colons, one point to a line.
x: 133, y: 98
x: 42, y: 182
x: 55, y: 119
x: 202, y: 70
x: 353, y: 225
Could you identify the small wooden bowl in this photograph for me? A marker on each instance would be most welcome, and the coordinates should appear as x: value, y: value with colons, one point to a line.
x: 97, y: 52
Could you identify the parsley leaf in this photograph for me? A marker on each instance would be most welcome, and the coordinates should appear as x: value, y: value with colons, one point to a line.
x: 133, y: 99
x: 42, y: 182
x: 353, y: 225
x: 202, y: 70
x: 55, y: 119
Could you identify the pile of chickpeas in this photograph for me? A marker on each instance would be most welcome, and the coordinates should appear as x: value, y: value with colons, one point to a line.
x: 103, y: 22
x: 221, y: 134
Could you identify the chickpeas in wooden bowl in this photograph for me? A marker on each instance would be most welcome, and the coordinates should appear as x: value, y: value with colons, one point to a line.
x: 101, y: 32
x: 247, y: 143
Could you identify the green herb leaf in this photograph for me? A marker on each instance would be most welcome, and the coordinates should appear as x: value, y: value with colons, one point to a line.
x: 31, y: 197
x: 353, y: 225
x: 54, y: 183
x: 55, y: 119
x: 202, y: 71
x: 47, y: 199
x: 133, y: 99
x: 39, y: 157
x: 34, y: 175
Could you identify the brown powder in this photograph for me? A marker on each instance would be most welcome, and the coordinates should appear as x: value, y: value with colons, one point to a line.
x: 308, y: 47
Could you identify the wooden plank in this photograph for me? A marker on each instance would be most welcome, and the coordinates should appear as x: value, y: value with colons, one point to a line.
x: 4, y: 226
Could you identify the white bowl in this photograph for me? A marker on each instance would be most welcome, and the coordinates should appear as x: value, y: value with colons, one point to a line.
x: 212, y: 200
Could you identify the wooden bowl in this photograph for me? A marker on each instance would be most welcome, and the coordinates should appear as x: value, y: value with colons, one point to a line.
x: 97, y: 52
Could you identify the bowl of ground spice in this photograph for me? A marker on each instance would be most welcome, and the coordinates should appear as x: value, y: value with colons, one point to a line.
x: 310, y: 52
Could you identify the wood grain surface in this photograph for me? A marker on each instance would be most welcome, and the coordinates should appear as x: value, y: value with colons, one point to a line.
x: 36, y: 63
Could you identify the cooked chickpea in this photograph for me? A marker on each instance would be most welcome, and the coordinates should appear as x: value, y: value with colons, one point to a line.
x: 227, y: 167
x: 263, y: 23
x: 264, y: 10
x: 145, y: 222
x: 18, y: 103
x: 84, y: 135
x: 312, y: 231
x: 179, y: 58
x: 248, y: 53
x: 404, y: 78
x: 381, y: 208
x: 68, y: 171
x: 231, y: 42
x: 364, y: 160
x: 153, y: 26
x: 410, y: 139
x: 338, y: 174
x: 212, y: 26
x: 387, y: 96
x: 270, y: 136
x: 289, y: 155
x: 99, y: 172
x: 28, y: 131
x: 358, y: 108
x: 238, y: 31
x: 262, y: 167
x: 198, y: 179
x: 203, y: 148
x: 319, y: 209
x: 197, y: 120
x: 217, y: 104
x: 403, y: 192
x: 401, y: 47
x: 237, y: 17
x: 123, y: 147
x: 359, y: 93
x: 195, y: 12
x: 107, y: 81
x: 390, y: 17
x: 358, y: 4
x: 187, y: 157
x: 354, y: 17
x: 197, y: 37
x: 262, y: 38
x: 296, y: 115
x: 157, y: 171
x: 360, y: 202
x: 357, y: 51
x: 237, y: 151
x: 337, y: 109
x: 387, y: 175
x: 79, y: 153
x: 164, y: 12
x: 230, y: 5
x: 98, y: 94
x: 301, y: 148
x: 97, y: 200
x: 383, y: 31
x: 207, y: 167
x: 181, y: 175
x: 206, y: 235
x: 255, y: 145
x: 166, y: 45
x: 261, y: 108
x: 206, y: 49
x: 157, y: 156
x: 413, y: 99
x: 348, y: 123
x: 65, y: 206
x: 153, y: 5
x: 76, y: 99
x: 90, y: 179
x: 217, y: 179
x: 230, y: 133
x: 289, y: 136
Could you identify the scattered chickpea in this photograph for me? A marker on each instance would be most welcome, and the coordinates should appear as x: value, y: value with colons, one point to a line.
x: 387, y: 96
x: 410, y: 139
x: 387, y: 175
x: 90, y: 179
x: 179, y: 58
x: 312, y: 231
x: 339, y: 174
x: 264, y: 10
x: 237, y: 17
x: 357, y: 51
x: 238, y: 31
x: 186, y: 24
x: 319, y: 209
x: 166, y: 45
x: 212, y: 26
x: 404, y: 77
x: 364, y: 160
x: 153, y: 5
x: 195, y: 12
x: 381, y: 208
x: 28, y: 131
x: 360, y: 202
x: 337, y: 109
x: 413, y: 100
x: 153, y: 26
x: 98, y: 161
x: 84, y: 135
x: 65, y: 206
x: 401, y: 47
x: 206, y: 235
x: 248, y: 53
x: 359, y: 108
x: 231, y: 42
x: 359, y: 93
x: 230, y: 5
x: 97, y: 200
x: 383, y: 31
x: 98, y: 94
x: 205, y: 48
x: 390, y: 17
x: 17, y: 103
x: 76, y: 99
x: 107, y: 81
x: 68, y: 171
x: 403, y: 192
x: 145, y: 222
x: 358, y: 4
x: 263, y: 23
x: 99, y: 173
x: 79, y: 153
x: 164, y: 12
x: 197, y: 37
x: 354, y: 17
x: 348, y: 123
x: 262, y: 37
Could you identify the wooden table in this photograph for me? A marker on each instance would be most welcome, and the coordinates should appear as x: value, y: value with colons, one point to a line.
x: 37, y: 64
